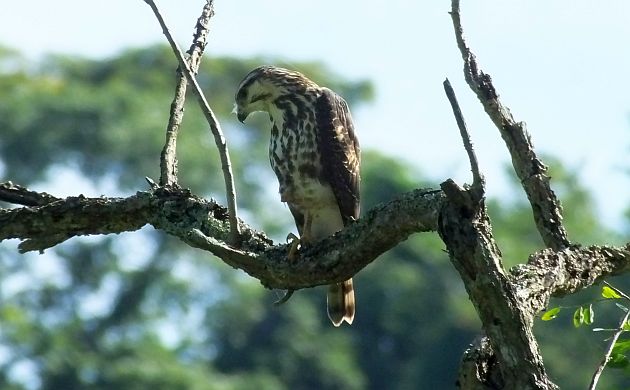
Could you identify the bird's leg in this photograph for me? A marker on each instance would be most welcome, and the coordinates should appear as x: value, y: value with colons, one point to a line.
x: 306, y: 232
x: 294, y: 241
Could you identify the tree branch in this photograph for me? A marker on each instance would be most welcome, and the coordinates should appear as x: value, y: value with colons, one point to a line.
x: 559, y: 273
x: 478, y: 180
x: 465, y: 228
x: 528, y: 167
x: 168, y: 157
x: 609, y: 351
x: 215, y: 126
x: 13, y: 193
x: 507, y: 303
x: 479, y: 367
x: 204, y: 224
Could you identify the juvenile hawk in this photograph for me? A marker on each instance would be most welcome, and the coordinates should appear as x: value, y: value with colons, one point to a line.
x: 315, y: 155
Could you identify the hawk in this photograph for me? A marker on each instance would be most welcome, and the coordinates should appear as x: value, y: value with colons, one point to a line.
x: 315, y: 154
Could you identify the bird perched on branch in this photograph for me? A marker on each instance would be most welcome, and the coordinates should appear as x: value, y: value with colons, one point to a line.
x: 315, y: 154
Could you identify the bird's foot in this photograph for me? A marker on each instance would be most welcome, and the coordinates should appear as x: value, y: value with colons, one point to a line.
x: 294, y: 242
x: 285, y: 298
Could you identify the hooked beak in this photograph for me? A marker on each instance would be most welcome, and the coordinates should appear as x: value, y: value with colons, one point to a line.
x: 240, y: 114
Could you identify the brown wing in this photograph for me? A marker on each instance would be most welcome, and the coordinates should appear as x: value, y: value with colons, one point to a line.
x: 340, y: 155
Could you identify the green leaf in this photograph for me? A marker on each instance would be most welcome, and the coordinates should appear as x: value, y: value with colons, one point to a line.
x: 550, y: 314
x: 609, y: 293
x: 589, y: 315
x: 618, y: 360
x: 621, y: 346
x: 578, y: 317
x: 626, y: 326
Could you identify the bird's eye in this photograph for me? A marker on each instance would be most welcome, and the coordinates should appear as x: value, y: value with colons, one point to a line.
x: 261, y: 96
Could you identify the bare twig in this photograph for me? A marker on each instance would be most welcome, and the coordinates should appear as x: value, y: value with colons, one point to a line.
x: 478, y: 180
x: 152, y: 183
x: 215, y: 127
x: 168, y: 158
x: 528, y: 167
x: 234, y: 257
x: 608, y: 353
x: 13, y: 193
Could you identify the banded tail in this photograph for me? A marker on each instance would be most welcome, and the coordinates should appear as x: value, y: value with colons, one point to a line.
x: 340, y: 300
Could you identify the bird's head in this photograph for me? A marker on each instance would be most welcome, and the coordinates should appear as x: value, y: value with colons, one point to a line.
x: 262, y: 86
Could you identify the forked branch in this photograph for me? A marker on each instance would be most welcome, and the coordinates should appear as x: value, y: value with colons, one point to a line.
x: 215, y: 126
x: 466, y: 230
x: 528, y: 167
x: 168, y: 158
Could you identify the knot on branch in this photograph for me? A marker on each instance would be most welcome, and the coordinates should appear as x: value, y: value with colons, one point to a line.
x: 486, y: 87
x: 479, y: 368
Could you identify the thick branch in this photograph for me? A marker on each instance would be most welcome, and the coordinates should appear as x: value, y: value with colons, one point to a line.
x: 215, y: 126
x: 528, y: 167
x: 203, y: 224
x: 465, y: 229
x: 45, y: 226
x: 558, y: 273
x: 168, y: 158
x: 507, y: 304
x: 341, y: 256
x: 479, y: 368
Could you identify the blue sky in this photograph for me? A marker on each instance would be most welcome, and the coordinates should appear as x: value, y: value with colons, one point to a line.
x: 561, y: 66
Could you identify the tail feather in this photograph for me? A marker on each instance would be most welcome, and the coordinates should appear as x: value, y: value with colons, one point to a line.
x: 340, y: 300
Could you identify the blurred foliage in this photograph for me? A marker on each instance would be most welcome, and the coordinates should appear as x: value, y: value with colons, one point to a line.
x: 141, y: 310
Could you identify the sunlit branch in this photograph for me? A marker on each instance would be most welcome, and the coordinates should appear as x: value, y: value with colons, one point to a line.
x: 168, y: 158
x: 463, y: 131
x: 215, y: 126
x: 528, y: 167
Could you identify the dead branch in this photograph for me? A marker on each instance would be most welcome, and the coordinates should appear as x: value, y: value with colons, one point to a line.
x: 16, y: 194
x: 168, y: 158
x: 215, y: 126
x: 478, y: 180
x: 466, y: 230
x: 528, y: 167
x: 204, y: 224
